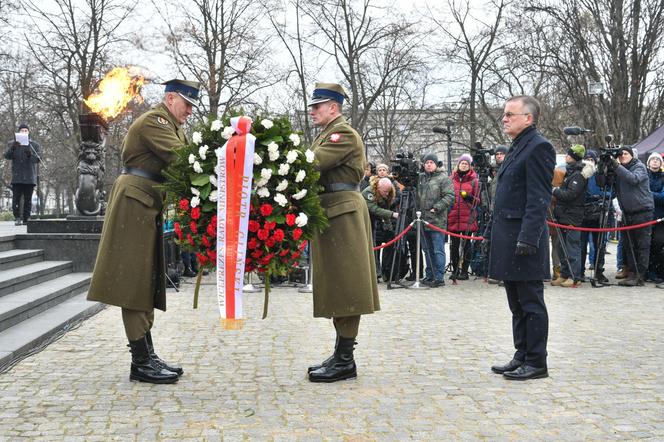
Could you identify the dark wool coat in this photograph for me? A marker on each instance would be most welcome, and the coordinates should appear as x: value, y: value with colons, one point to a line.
x: 130, y: 269
x: 463, y: 214
x: 523, y: 196
x: 344, y: 269
x: 24, y: 160
x: 656, y: 180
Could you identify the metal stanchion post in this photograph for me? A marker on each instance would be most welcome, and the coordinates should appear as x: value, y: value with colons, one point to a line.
x: 250, y: 287
x: 416, y: 284
x: 308, y: 288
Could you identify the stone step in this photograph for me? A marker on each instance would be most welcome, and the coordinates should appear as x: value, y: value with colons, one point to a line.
x: 23, y: 338
x: 23, y: 304
x: 19, y: 278
x: 10, y: 259
x: 7, y: 242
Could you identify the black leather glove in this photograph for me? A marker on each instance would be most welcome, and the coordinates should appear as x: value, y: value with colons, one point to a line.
x: 523, y: 249
x: 614, y: 164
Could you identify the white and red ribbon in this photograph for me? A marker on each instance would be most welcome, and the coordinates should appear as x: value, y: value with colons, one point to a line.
x: 235, y: 169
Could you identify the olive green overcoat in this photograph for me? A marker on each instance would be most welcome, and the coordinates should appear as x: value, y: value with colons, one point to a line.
x: 344, y: 270
x: 130, y: 269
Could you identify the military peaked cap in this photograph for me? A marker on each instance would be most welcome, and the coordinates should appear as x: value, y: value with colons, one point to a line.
x: 187, y: 89
x: 328, y: 91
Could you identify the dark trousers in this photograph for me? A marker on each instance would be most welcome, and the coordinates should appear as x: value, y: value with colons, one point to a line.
x: 598, y: 258
x: 455, y: 254
x: 530, y: 321
x: 636, y: 244
x: 656, y: 264
x: 570, y: 257
x: 22, y: 193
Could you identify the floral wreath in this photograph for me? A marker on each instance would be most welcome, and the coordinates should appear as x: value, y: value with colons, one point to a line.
x: 285, y: 207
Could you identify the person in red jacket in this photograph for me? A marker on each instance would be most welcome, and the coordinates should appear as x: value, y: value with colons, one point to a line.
x: 462, y: 217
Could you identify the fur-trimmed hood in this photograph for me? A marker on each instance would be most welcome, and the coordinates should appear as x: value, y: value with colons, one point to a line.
x: 588, y: 169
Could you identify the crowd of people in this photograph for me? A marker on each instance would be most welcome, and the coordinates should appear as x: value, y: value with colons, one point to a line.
x: 589, y: 191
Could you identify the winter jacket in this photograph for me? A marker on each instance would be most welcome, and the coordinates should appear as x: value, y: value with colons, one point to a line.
x: 23, y: 159
x: 594, y: 197
x: 571, y: 195
x: 632, y: 188
x: 657, y: 190
x: 463, y: 214
x: 435, y: 191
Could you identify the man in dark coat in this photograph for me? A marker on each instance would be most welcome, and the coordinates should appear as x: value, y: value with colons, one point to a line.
x: 130, y: 271
x: 519, y: 254
x: 344, y: 270
x: 24, y: 159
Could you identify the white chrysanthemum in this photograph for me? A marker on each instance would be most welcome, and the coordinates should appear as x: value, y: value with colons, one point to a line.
x: 195, y: 191
x: 300, y: 194
x: 192, y: 158
x: 213, y: 196
x: 213, y: 180
x: 300, y: 176
x: 283, y: 169
x: 309, y: 154
x: 263, y: 192
x: 283, y: 185
x: 295, y: 139
x: 280, y: 199
x: 216, y: 125
x: 301, y: 220
x: 291, y: 156
x: 195, y: 201
x: 257, y: 159
x: 260, y: 183
x: 266, y: 174
x: 228, y: 132
x: 273, y: 151
x: 267, y: 123
x: 202, y: 151
x: 197, y: 137
x: 197, y: 167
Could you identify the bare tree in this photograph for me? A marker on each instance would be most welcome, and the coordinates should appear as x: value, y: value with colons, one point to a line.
x: 220, y: 44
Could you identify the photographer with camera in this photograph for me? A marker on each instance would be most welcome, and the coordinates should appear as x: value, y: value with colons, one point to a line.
x: 463, y: 215
x: 369, y: 172
x: 636, y: 200
x: 435, y: 197
x: 569, y: 210
x: 381, y: 201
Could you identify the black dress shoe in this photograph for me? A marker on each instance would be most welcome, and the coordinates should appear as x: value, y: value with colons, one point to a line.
x: 511, y: 365
x: 526, y: 372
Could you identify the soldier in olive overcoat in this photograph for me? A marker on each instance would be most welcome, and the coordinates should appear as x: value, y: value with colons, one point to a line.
x: 130, y: 269
x: 344, y: 272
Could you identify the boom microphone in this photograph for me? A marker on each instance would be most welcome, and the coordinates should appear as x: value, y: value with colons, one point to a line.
x: 441, y: 130
x: 575, y: 130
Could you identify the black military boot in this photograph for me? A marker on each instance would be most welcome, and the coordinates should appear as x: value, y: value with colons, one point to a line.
x: 342, y: 365
x: 327, y: 361
x: 144, y: 368
x: 163, y: 364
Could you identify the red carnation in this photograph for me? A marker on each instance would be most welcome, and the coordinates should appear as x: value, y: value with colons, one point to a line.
x: 213, y: 221
x: 284, y: 252
x: 193, y: 227
x: 212, y: 230
x: 278, y: 235
x: 265, y: 261
x: 270, y: 225
x: 212, y: 254
x: 196, y: 212
x: 263, y: 234
x: 303, y: 245
x: 295, y: 254
x: 297, y: 233
x: 257, y: 254
x: 205, y: 241
x: 252, y: 244
x: 254, y: 226
x: 178, y: 230
x: 266, y: 209
x: 190, y: 240
x: 270, y: 242
x: 184, y: 204
x: 290, y: 219
x: 202, y: 259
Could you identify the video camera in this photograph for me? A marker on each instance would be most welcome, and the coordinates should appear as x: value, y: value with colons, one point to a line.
x: 482, y: 159
x: 405, y: 169
x: 610, y: 150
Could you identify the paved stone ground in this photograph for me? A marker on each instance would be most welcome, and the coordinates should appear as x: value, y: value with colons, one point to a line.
x: 423, y: 373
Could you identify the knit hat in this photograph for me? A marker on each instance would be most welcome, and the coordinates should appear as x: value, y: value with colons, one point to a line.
x: 465, y: 157
x: 23, y: 126
x: 430, y: 157
x: 656, y: 155
x: 577, y: 151
x: 626, y: 148
x: 501, y: 149
x: 592, y: 155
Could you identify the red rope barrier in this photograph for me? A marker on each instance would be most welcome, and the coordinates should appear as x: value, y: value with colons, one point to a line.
x: 395, y: 239
x: 605, y: 229
x: 478, y: 238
